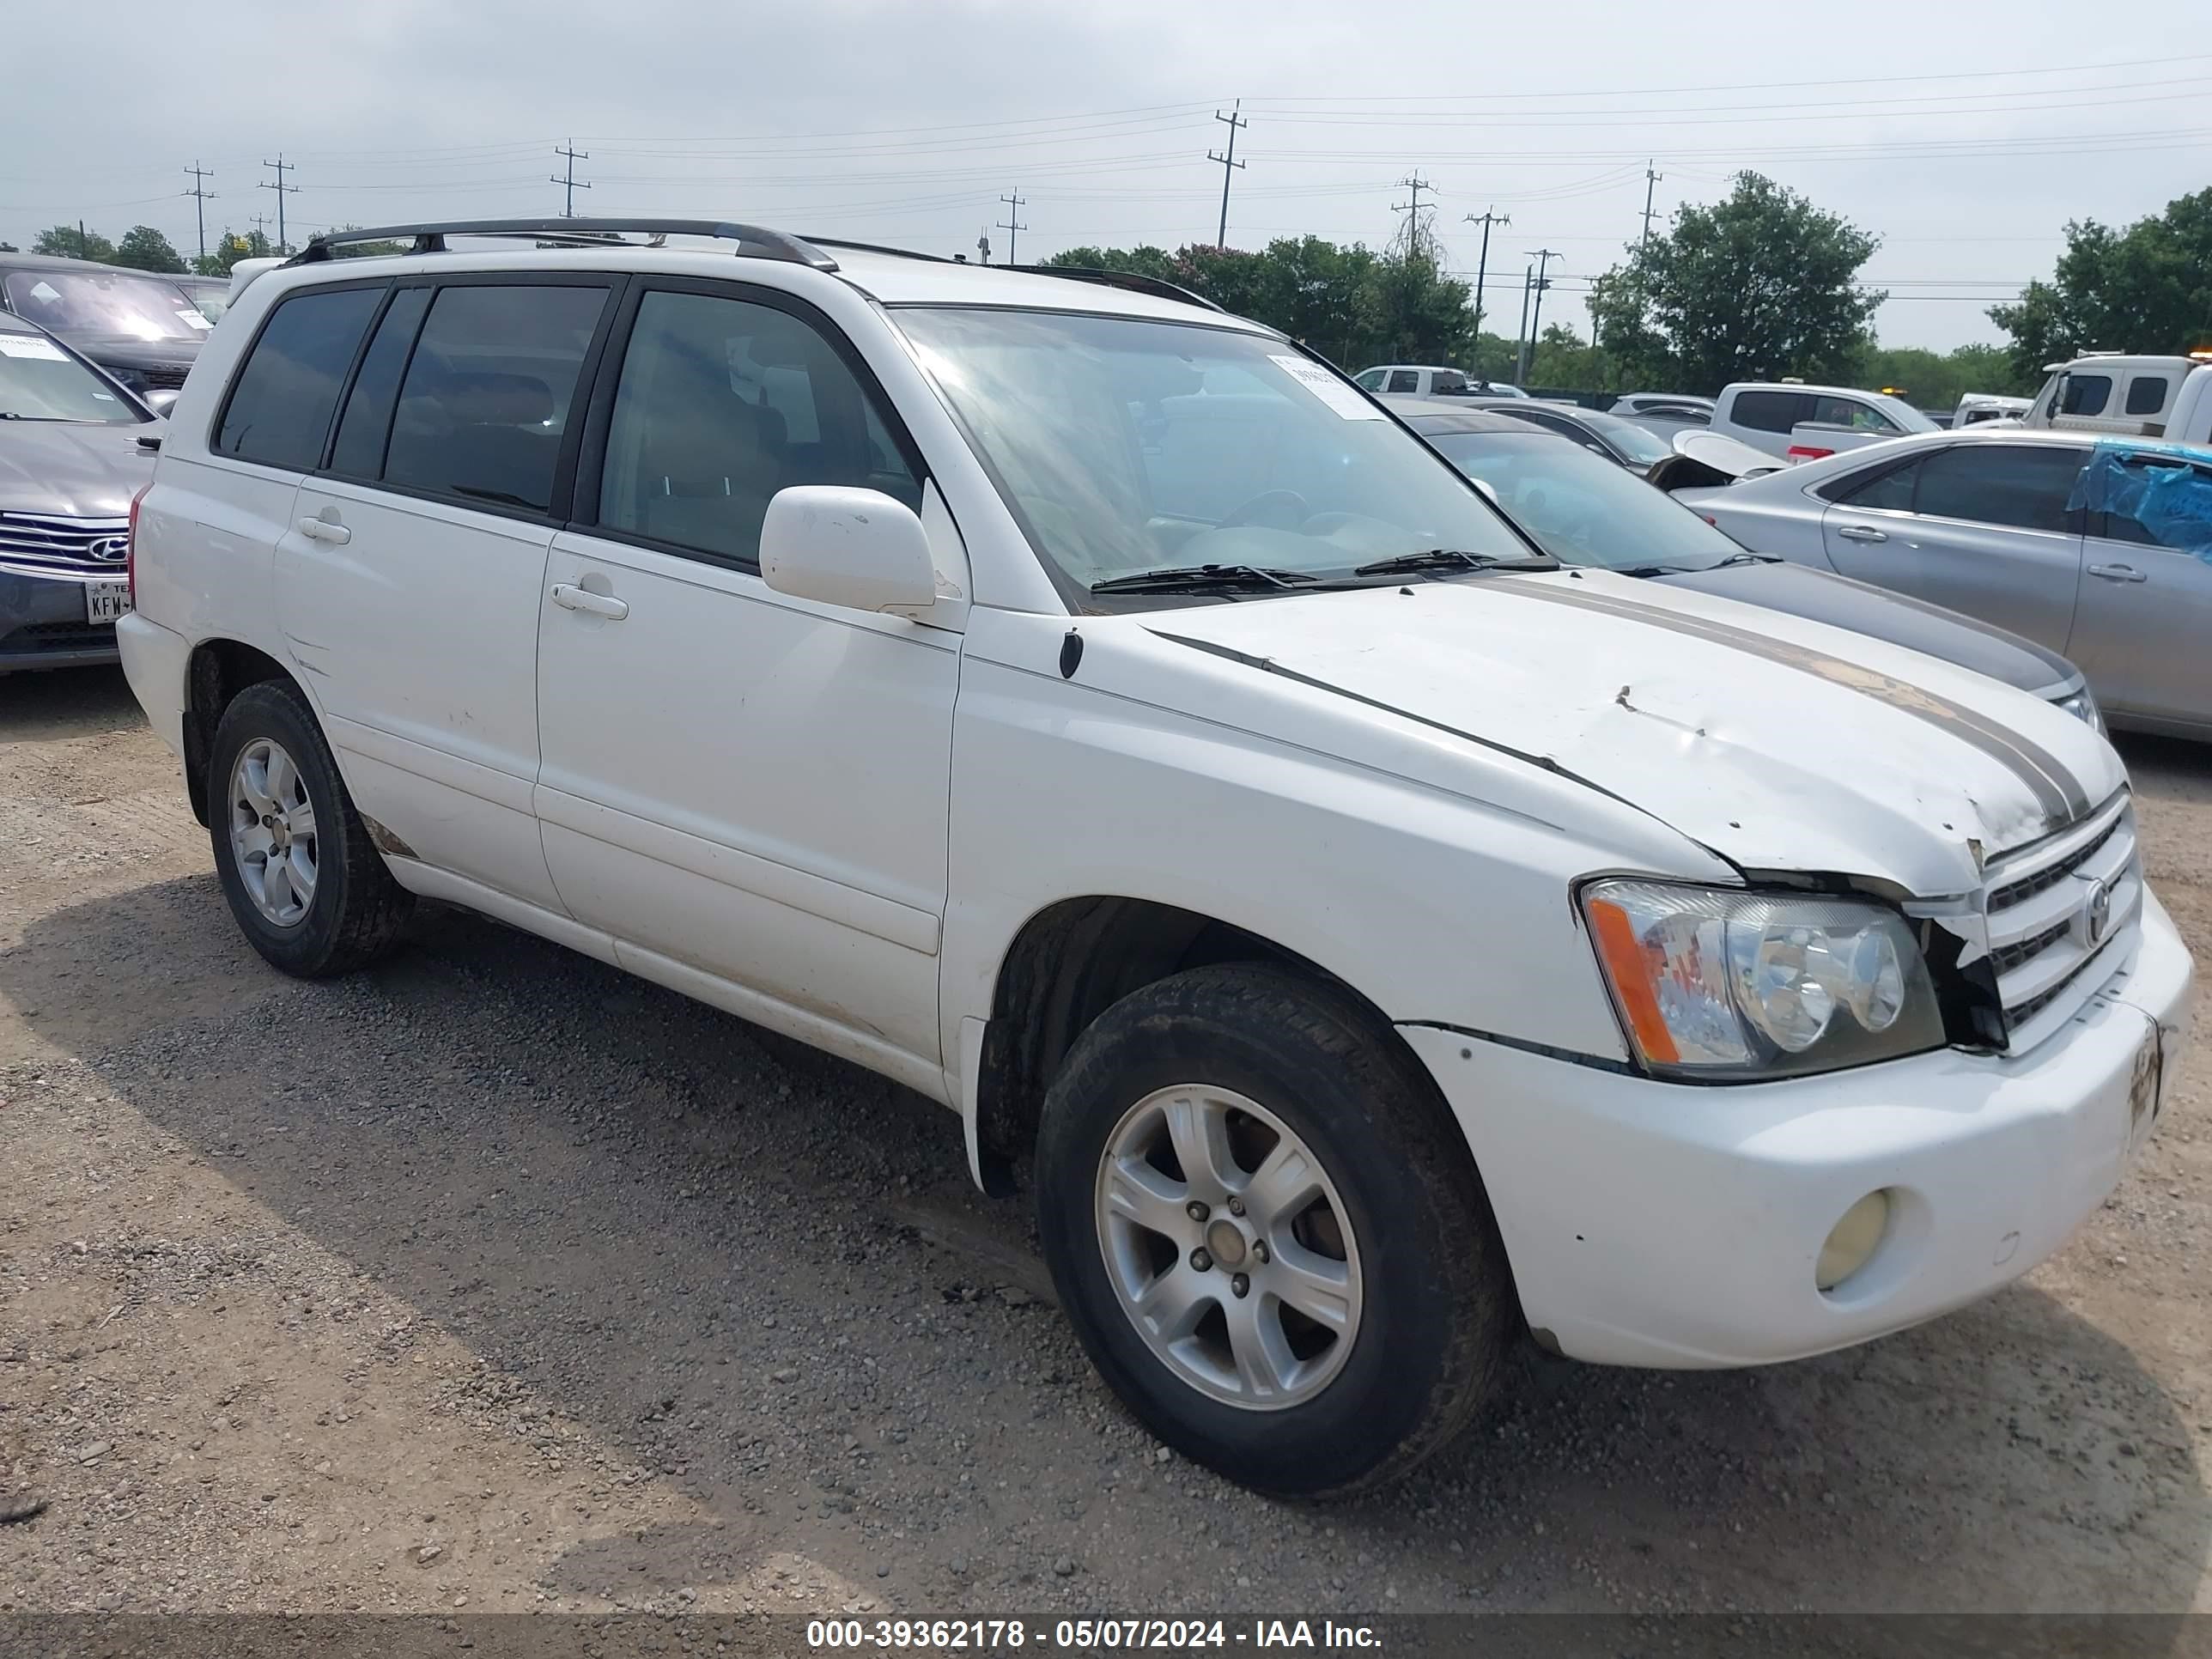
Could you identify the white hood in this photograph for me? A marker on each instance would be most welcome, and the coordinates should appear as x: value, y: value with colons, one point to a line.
x: 1779, y: 744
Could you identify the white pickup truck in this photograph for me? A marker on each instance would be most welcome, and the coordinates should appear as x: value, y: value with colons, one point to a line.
x: 1805, y: 422
x: 2136, y: 396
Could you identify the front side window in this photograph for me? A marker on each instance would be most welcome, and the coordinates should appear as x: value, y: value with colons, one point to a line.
x: 2022, y: 487
x: 282, y: 403
x: 104, y: 304
x: 2146, y: 394
x: 2085, y: 394
x: 40, y: 381
x: 1125, y: 445
x: 487, y: 398
x: 1371, y: 379
x: 1850, y: 412
x: 721, y: 403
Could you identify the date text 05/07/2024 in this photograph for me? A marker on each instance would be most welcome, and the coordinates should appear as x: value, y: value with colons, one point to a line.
x: 1083, y: 1635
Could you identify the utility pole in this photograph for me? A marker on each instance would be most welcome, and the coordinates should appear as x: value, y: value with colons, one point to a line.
x: 1486, y: 218
x: 261, y: 227
x: 1416, y: 239
x: 200, y: 193
x: 1521, y: 340
x: 1012, y: 223
x: 1234, y: 120
x: 1544, y: 256
x: 83, y: 242
x: 1650, y: 183
x: 283, y: 190
x: 569, y: 183
x: 983, y: 245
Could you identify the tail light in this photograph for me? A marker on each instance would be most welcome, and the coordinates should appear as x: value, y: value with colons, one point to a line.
x: 131, y: 546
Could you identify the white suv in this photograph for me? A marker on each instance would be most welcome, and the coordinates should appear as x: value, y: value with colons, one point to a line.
x: 1095, y: 713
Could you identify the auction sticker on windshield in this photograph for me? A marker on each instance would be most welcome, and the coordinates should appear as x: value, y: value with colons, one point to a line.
x: 26, y: 345
x: 105, y: 601
x: 1344, y: 400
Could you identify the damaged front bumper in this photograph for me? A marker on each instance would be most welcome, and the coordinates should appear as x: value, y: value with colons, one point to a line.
x: 1677, y: 1225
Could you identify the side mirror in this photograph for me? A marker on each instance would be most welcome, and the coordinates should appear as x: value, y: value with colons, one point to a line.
x: 161, y: 399
x: 855, y: 548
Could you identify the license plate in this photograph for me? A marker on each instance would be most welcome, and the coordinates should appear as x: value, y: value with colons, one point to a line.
x: 105, y: 601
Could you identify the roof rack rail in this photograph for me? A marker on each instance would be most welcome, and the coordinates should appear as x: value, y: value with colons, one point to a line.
x: 753, y: 242
x: 1158, y: 287
x: 877, y: 247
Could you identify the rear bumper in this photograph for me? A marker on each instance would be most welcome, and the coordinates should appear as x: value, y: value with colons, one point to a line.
x: 154, y: 662
x: 1650, y: 1223
x: 42, y: 624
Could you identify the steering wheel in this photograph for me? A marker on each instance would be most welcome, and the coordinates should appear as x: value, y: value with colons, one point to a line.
x: 1271, y: 510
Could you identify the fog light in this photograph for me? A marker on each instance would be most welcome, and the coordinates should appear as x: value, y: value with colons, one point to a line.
x: 1852, y: 1241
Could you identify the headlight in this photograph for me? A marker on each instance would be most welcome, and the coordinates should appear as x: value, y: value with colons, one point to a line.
x: 2083, y: 707
x: 1716, y: 982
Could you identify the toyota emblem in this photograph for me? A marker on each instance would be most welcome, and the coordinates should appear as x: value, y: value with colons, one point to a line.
x: 2097, y: 911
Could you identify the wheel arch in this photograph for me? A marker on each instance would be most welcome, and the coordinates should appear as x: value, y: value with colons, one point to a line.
x: 214, y: 673
x: 1069, y: 962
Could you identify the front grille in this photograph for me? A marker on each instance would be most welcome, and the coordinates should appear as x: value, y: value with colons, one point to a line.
x: 95, y: 547
x: 166, y: 375
x: 2054, y: 911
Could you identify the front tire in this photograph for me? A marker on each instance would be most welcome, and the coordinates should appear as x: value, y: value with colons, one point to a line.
x: 308, y: 886
x: 1268, y: 1232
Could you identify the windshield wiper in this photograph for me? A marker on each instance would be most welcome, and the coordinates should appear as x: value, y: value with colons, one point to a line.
x: 1172, y: 579
x: 1749, y: 558
x: 1691, y: 569
x: 1450, y: 558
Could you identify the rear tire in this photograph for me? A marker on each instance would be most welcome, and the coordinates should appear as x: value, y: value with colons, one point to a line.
x: 308, y: 886
x: 1252, y: 1092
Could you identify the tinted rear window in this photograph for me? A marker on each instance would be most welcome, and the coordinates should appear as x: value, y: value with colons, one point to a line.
x: 1772, y: 411
x: 489, y: 391
x: 368, y: 419
x: 281, y: 405
x: 2146, y: 394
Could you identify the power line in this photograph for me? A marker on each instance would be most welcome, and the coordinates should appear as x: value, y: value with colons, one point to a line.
x: 1488, y: 217
x: 283, y: 190
x: 200, y: 193
x: 1228, y: 161
x: 575, y: 156
x: 1011, y: 224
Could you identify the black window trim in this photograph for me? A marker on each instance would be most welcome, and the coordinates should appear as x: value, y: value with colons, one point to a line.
x: 556, y: 515
x: 324, y: 467
x: 345, y: 384
x: 598, y: 420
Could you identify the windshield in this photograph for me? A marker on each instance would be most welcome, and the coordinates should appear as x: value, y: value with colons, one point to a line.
x: 1125, y: 444
x: 1642, y: 446
x: 1582, y: 510
x: 102, y: 302
x: 40, y: 381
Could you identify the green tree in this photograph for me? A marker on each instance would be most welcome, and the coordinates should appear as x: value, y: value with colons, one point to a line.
x: 144, y: 248
x: 1563, y: 359
x: 1935, y: 380
x: 229, y: 248
x: 2147, y: 287
x: 1760, y: 285
x: 72, y: 243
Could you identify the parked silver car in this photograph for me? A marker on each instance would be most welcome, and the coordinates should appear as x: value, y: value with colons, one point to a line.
x: 1999, y: 524
x: 1585, y: 511
x: 69, y: 463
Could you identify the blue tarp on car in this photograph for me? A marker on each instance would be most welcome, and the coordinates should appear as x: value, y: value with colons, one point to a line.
x: 2165, y: 487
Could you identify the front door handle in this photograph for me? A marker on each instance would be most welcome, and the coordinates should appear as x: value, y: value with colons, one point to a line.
x: 2118, y: 573
x: 326, y: 530
x: 570, y: 597
x: 1862, y: 532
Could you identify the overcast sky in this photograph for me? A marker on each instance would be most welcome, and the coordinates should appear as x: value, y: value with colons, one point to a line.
x: 1965, y: 135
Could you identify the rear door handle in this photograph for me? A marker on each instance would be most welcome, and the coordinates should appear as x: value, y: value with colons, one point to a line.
x: 570, y: 597
x: 2118, y: 573
x: 1862, y: 532
x: 323, y: 530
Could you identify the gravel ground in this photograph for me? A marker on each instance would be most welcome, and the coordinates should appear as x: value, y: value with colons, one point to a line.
x: 494, y: 1279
